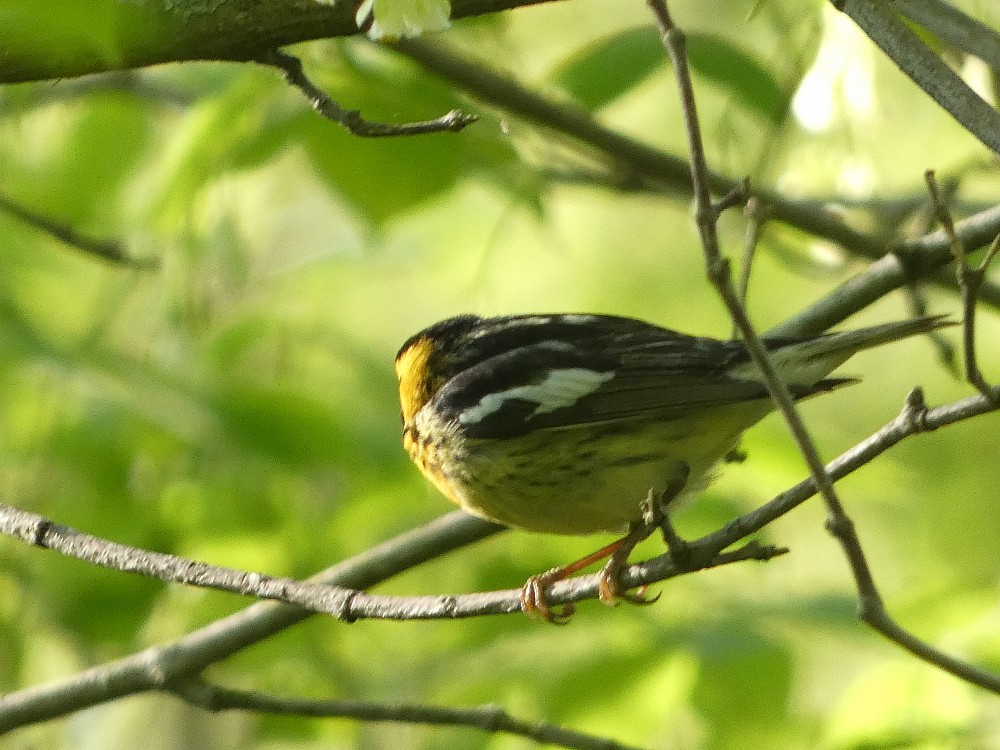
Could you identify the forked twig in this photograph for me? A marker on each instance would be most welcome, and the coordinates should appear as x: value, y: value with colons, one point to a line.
x: 489, y: 718
x: 635, y: 162
x: 871, y: 607
x: 757, y: 213
x: 351, y: 119
x: 718, y: 269
x: 969, y: 281
x: 155, y: 668
x: 103, y: 248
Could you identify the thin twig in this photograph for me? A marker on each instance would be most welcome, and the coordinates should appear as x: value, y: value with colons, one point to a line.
x: 351, y: 119
x: 920, y: 222
x: 346, y: 604
x: 155, y: 668
x: 969, y: 282
x: 634, y: 161
x: 718, y: 269
x: 42, y: 532
x: 880, y: 20
x: 871, y: 608
x: 905, y: 261
x: 490, y: 718
x: 891, y: 211
x: 105, y: 249
x: 571, y: 591
x: 757, y: 214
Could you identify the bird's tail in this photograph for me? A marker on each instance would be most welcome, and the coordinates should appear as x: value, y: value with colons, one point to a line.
x: 806, y: 361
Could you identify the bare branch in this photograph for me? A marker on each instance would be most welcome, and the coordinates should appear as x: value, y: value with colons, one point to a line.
x: 908, y: 260
x: 154, y: 32
x: 718, y: 270
x: 351, y: 119
x: 153, y: 668
x: 969, y: 281
x: 955, y: 28
x: 42, y: 532
x: 105, y: 249
x: 634, y: 163
x: 489, y: 718
x: 315, y: 595
x: 871, y: 607
x: 570, y: 591
x: 879, y: 20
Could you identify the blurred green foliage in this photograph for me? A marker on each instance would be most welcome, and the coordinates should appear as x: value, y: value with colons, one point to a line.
x: 237, y: 404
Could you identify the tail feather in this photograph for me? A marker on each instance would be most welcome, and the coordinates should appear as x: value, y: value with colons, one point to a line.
x: 806, y: 361
x: 862, y: 338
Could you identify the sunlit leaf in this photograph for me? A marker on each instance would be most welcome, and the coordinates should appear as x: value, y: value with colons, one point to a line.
x: 51, y: 27
x: 742, y: 76
x: 607, y: 69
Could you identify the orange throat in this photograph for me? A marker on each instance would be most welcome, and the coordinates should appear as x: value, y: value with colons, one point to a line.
x: 416, y: 386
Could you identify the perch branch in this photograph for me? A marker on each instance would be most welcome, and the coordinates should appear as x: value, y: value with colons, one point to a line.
x: 351, y: 119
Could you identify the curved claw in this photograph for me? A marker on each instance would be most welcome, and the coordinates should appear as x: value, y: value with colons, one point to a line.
x: 639, y: 597
x: 534, y: 600
x: 533, y: 597
x: 611, y: 592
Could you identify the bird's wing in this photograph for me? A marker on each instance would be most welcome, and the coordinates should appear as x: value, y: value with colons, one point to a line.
x: 551, y: 385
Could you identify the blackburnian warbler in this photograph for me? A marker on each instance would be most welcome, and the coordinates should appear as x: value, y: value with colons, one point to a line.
x: 566, y: 423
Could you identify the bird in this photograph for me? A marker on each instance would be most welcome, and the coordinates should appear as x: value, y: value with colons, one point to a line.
x: 567, y: 423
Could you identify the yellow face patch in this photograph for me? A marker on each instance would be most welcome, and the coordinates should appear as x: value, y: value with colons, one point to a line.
x: 416, y: 387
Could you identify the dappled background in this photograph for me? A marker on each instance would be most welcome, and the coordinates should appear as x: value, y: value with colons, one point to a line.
x: 230, y: 398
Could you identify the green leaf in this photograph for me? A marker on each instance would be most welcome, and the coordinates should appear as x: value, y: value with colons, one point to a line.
x: 606, y: 70
x: 210, y: 140
x: 61, y: 29
x: 739, y: 659
x: 100, y: 151
x: 288, y: 427
x: 603, y: 71
x: 383, y: 177
x: 745, y: 79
